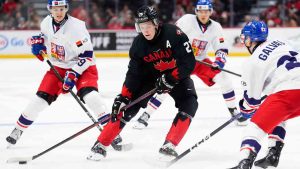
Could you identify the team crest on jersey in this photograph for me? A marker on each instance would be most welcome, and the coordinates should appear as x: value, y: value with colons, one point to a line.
x: 158, y: 55
x: 162, y: 66
x: 57, y: 51
x: 198, y: 46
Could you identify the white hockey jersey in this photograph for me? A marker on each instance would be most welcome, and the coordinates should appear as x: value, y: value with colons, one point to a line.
x: 274, y: 66
x: 200, y: 40
x: 66, y: 46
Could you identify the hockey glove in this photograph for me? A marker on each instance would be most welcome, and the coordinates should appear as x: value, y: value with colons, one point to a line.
x: 70, y: 80
x: 220, y: 61
x: 37, y: 45
x: 246, y: 112
x: 165, y: 84
x: 119, y: 102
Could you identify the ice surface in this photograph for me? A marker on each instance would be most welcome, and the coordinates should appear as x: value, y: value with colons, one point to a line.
x: 19, y: 82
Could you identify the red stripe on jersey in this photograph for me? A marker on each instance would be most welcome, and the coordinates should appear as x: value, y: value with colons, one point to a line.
x: 175, y: 74
x: 21, y: 125
x: 125, y: 92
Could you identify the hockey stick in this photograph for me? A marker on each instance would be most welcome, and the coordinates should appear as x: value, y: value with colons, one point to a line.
x: 224, y: 70
x: 203, y: 140
x: 24, y: 160
x: 124, y: 147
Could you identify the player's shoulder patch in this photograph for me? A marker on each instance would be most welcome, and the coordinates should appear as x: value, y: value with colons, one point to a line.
x: 81, y: 42
x: 221, y: 40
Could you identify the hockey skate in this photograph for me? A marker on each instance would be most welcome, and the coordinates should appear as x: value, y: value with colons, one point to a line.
x: 241, y: 121
x: 246, y: 163
x: 167, y: 152
x: 272, y: 158
x: 14, y: 137
x: 117, y: 140
x: 98, y: 152
x: 142, y: 121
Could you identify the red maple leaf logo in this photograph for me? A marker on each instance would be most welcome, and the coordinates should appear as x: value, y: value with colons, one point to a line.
x: 162, y: 66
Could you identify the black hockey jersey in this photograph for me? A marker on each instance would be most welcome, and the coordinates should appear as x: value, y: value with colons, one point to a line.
x: 169, y: 53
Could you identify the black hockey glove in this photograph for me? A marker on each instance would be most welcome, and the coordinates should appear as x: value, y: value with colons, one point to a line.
x: 165, y: 84
x: 120, y: 101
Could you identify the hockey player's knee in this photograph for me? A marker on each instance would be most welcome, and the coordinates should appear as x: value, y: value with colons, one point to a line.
x: 47, y: 97
x: 190, y: 106
x: 224, y: 82
x: 254, y: 131
x: 84, y: 91
x: 182, y: 116
x: 32, y: 110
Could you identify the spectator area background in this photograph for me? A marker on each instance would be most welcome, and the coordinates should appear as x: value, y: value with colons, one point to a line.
x: 118, y: 14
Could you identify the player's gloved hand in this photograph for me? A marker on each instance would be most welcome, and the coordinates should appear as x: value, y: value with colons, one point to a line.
x: 217, y: 64
x: 37, y: 45
x: 70, y: 80
x: 120, y: 101
x: 220, y: 60
x: 246, y: 112
x: 165, y: 84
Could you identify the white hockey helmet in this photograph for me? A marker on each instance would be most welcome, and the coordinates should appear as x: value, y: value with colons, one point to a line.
x: 52, y: 3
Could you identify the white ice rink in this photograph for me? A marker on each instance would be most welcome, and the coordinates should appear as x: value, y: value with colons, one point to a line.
x: 19, y: 80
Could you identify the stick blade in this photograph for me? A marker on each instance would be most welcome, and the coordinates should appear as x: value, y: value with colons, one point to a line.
x: 19, y: 159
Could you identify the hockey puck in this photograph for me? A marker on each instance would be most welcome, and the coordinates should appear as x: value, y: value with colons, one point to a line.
x: 22, y: 162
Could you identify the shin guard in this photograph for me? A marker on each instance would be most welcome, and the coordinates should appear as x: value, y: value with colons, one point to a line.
x: 110, y: 131
x: 179, y: 127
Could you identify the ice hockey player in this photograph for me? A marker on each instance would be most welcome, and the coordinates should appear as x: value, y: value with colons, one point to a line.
x: 160, y: 56
x: 202, y: 32
x: 272, y: 69
x: 67, y: 42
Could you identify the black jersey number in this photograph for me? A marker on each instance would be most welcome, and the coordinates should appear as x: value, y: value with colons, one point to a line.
x: 81, y: 62
x: 290, y: 60
x: 187, y: 47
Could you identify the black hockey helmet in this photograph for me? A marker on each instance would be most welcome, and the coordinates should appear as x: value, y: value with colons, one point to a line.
x: 145, y: 14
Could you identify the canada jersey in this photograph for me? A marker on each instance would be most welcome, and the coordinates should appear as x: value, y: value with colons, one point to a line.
x: 66, y: 45
x: 274, y: 66
x: 200, y: 40
x: 169, y: 53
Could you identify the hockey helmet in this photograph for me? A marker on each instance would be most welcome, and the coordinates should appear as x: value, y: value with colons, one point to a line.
x: 203, y: 5
x: 145, y: 14
x: 52, y: 3
x: 257, y: 31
